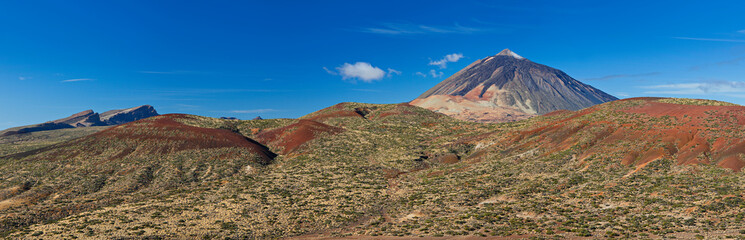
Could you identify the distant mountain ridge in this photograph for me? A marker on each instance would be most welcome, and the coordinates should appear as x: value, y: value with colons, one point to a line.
x: 88, y: 118
x: 508, y: 87
x: 121, y: 116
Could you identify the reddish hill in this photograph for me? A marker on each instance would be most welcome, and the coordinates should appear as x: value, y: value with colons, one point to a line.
x: 152, y: 136
x: 149, y: 156
x: 641, y: 130
x: 291, y: 137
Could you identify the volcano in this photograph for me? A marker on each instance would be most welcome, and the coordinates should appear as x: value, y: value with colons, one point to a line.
x: 508, y: 87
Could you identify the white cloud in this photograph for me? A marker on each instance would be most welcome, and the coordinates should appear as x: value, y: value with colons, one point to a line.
x: 445, y: 60
x: 78, y: 80
x: 697, y: 88
x: 24, y: 78
x: 435, y: 74
x: 742, y: 31
x: 360, y: 70
x: 392, y: 71
x: 431, y: 73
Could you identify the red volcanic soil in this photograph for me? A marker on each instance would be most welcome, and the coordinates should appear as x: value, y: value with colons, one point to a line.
x: 292, y: 136
x: 636, y: 135
x: 658, y: 109
x: 163, y: 135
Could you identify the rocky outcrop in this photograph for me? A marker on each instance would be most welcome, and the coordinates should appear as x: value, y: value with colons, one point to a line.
x: 121, y: 116
x: 85, y: 118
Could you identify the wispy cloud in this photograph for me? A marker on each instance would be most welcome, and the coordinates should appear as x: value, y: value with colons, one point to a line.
x: 78, y: 80
x: 431, y: 73
x: 711, y: 39
x: 363, y: 71
x: 454, y: 57
x: 614, y: 76
x: 741, y: 31
x: 330, y: 72
x: 24, y: 78
x: 392, y: 72
x: 254, y: 110
x: 417, y: 29
x: 435, y: 74
x: 697, y: 88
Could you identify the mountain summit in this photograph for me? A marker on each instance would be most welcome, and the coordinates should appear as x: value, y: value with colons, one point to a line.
x: 507, y: 52
x: 508, y: 87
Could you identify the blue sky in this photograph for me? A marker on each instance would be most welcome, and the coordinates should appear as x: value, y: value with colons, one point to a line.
x: 289, y: 58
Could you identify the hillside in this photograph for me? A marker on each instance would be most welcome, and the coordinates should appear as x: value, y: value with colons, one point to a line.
x: 126, y: 163
x: 635, y: 168
x: 16, y: 143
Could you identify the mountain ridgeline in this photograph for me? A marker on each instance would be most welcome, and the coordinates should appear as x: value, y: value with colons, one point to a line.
x: 88, y: 118
x: 508, y: 87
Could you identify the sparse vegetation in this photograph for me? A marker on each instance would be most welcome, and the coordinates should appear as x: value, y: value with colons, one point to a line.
x: 616, y: 170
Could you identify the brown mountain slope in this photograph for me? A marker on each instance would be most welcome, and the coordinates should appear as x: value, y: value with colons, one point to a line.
x: 638, y: 131
x: 291, y: 137
x: 120, y: 164
x: 154, y: 136
x: 507, y: 87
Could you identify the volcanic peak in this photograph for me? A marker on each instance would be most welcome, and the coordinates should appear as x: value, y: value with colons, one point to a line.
x: 508, y: 52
